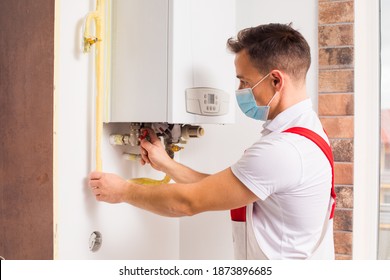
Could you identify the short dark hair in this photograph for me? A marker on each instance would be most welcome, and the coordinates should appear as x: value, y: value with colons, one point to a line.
x: 274, y: 46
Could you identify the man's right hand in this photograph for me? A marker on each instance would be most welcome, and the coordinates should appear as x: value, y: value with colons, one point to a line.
x: 153, y: 152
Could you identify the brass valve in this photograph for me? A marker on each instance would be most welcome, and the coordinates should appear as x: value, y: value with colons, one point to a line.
x: 88, y: 42
x: 176, y: 148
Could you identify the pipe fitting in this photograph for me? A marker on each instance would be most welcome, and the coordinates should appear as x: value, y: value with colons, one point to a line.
x: 191, y: 131
x: 131, y: 139
x: 135, y: 130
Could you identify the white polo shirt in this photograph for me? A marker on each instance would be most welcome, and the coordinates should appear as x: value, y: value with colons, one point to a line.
x: 291, y: 176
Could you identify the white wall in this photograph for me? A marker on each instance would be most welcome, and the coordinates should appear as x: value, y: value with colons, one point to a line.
x: 223, y: 145
x: 130, y: 233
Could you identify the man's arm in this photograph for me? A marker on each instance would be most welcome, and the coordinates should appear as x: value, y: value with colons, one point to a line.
x: 221, y: 191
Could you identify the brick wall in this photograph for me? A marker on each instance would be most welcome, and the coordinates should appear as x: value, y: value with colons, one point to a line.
x: 336, y: 107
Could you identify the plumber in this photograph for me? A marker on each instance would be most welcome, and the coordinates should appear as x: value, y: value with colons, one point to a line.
x: 281, y: 190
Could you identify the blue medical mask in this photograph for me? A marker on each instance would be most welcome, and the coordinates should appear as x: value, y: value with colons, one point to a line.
x: 247, y: 103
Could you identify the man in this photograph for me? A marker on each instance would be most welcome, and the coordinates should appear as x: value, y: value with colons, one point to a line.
x: 285, y: 178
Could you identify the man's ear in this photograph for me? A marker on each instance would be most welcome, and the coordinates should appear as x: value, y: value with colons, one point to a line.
x: 278, y: 79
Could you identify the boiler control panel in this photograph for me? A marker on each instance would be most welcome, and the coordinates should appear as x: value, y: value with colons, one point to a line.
x: 207, y: 101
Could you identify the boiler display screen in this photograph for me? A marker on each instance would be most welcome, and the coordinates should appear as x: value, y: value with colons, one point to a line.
x: 211, y: 99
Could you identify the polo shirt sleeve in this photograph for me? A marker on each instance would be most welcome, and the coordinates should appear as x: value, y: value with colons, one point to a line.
x: 269, y: 166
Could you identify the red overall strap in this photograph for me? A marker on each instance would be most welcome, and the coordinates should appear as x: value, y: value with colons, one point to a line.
x: 239, y: 214
x: 325, y: 148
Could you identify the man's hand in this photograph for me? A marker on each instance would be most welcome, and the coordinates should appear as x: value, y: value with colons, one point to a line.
x: 108, y: 187
x: 153, y: 152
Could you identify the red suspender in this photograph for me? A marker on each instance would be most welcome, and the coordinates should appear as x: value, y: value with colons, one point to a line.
x: 325, y: 148
x: 239, y: 214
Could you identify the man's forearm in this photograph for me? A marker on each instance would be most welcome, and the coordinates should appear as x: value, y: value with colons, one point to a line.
x: 221, y: 191
x: 166, y: 200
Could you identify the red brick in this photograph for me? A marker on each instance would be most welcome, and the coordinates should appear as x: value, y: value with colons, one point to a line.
x: 335, y: 35
x: 331, y: 58
x: 343, y: 220
x: 338, y: 127
x: 343, y: 257
x: 342, y: 149
x: 336, y: 81
x: 343, y: 173
x: 343, y: 243
x: 336, y: 104
x: 344, y: 197
x: 335, y: 12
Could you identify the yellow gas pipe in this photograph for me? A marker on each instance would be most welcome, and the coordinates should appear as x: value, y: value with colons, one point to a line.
x: 151, y: 182
x: 89, y: 40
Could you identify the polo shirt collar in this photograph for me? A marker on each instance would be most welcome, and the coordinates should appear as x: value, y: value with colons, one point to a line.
x: 281, y: 121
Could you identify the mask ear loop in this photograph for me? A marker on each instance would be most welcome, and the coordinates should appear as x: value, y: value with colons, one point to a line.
x: 272, y: 98
x: 261, y: 80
